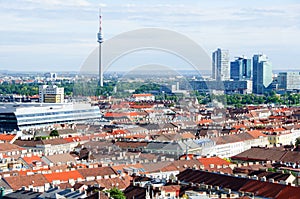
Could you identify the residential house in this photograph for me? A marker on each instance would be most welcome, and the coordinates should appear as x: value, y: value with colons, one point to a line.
x: 36, y: 182
x: 291, y: 158
x: 230, y: 145
x: 242, y: 186
x: 142, y: 97
x: 47, y: 146
x: 90, y: 174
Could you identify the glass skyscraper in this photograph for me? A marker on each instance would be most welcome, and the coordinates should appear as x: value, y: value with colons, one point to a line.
x: 240, y: 69
x: 220, y: 65
x: 289, y: 80
x: 262, y: 74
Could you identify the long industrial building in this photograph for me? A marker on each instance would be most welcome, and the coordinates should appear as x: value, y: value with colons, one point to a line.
x: 227, y: 87
x: 24, y: 116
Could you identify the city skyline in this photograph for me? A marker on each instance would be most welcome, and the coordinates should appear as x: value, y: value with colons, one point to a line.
x: 135, y: 99
x: 59, y: 35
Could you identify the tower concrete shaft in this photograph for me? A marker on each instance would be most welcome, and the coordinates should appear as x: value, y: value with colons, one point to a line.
x: 100, y: 41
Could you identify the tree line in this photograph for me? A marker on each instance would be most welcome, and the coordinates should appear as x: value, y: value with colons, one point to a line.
x: 239, y: 100
x: 122, y: 90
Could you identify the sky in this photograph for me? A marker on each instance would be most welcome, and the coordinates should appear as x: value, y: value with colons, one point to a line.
x: 59, y: 35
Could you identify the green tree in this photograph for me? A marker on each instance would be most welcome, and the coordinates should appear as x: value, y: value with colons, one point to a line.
x: 115, y: 193
x: 54, y: 133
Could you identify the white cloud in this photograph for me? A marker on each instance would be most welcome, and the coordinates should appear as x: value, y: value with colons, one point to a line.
x: 211, y: 23
x: 60, y: 3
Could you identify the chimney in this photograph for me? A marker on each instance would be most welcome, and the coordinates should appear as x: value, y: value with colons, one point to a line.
x: 263, y: 179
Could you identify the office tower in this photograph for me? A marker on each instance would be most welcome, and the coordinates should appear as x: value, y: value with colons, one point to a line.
x: 100, y: 41
x: 240, y: 69
x: 220, y: 65
x: 262, y: 74
x: 51, y: 94
x: 289, y: 81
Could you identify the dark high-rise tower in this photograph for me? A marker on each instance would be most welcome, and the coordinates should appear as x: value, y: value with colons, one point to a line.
x: 240, y: 69
x: 100, y: 40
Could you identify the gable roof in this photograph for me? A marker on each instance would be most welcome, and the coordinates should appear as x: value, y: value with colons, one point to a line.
x: 180, y: 165
x: 277, y: 176
x: 155, y: 166
x: 120, y: 183
x: 62, y: 158
x: 274, y: 154
x: 100, y: 171
x: 63, y: 176
x: 17, y: 182
x: 30, y: 160
x: 259, y: 188
x: 213, y: 160
x: 136, y: 192
x: 4, y: 147
x: 33, y: 143
x: 7, y: 137
x: 256, y: 134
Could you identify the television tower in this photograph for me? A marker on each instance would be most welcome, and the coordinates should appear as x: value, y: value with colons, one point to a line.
x: 100, y: 40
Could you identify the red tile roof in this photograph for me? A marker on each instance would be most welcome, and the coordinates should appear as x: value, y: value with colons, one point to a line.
x: 263, y: 154
x: 142, y: 95
x: 120, y: 182
x: 205, y: 121
x: 136, y: 106
x: 119, y: 132
x: 256, y: 187
x: 239, y: 126
x: 120, y: 106
x: 266, y: 189
x: 171, y: 188
x: 213, y: 160
x: 17, y: 182
x: 280, y: 129
x: 126, y: 145
x: 187, y: 135
x: 288, y: 192
x: 256, y: 134
x: 100, y: 171
x: 115, y: 115
x: 32, y: 159
x: 123, y: 114
x: 73, y: 139
x: 63, y: 176
x: 7, y: 137
x: 138, y: 136
x: 5, y: 147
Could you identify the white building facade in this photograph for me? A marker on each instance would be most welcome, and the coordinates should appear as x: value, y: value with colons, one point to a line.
x: 220, y: 65
x: 51, y: 94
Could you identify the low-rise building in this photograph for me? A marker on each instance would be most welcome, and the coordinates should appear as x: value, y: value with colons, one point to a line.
x: 230, y: 145
x: 142, y: 97
x: 47, y: 146
x: 51, y: 94
x: 26, y: 116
